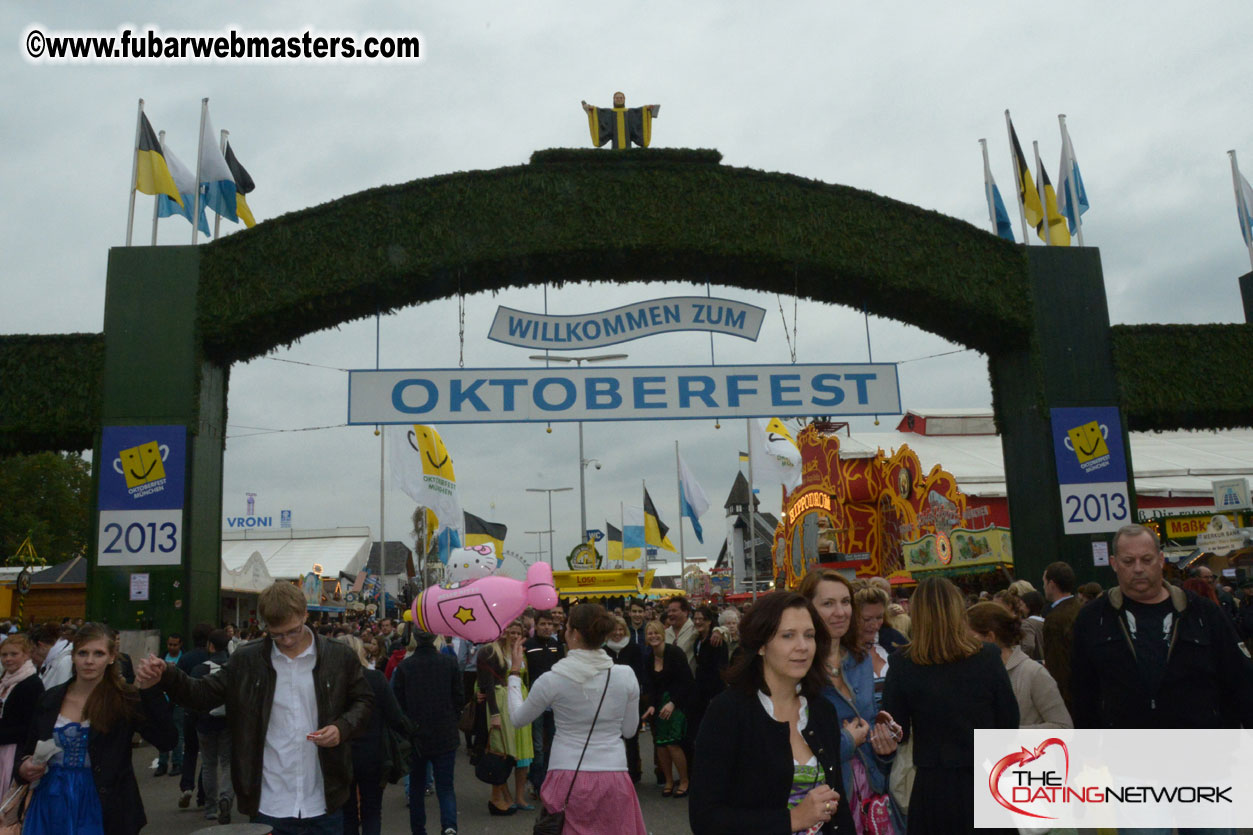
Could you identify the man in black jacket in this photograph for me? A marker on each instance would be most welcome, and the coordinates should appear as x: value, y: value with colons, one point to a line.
x: 542, y: 652
x: 428, y: 686
x: 293, y: 701
x: 1151, y: 655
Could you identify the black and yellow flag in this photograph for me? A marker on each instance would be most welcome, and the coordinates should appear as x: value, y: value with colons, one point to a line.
x: 152, y: 175
x: 481, y: 532
x: 1028, y: 196
x: 1059, y: 232
x: 243, y: 185
x: 654, y: 529
x: 613, y: 543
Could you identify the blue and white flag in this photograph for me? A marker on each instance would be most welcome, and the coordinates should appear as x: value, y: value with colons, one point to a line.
x: 1068, y: 177
x: 996, y: 206
x: 215, y: 175
x: 185, y: 182
x: 1244, y: 206
x: 692, y: 499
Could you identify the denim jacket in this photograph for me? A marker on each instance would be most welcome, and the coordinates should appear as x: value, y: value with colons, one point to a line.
x: 859, y: 675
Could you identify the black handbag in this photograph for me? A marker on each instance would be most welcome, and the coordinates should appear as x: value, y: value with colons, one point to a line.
x: 552, y: 823
x: 494, y: 767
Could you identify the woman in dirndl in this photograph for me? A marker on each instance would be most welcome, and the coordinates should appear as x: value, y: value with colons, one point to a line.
x: 666, y: 693
x: 89, y: 787
x: 503, y: 736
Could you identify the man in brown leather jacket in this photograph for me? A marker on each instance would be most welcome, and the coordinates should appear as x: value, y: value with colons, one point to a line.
x: 293, y: 701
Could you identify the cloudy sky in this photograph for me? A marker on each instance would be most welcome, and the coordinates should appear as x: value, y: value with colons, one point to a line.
x: 892, y: 98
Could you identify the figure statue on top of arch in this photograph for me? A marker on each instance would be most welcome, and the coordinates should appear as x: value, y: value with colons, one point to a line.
x: 620, y: 124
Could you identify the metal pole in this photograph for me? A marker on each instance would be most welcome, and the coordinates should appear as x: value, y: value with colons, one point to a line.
x: 130, y: 212
x: 678, y: 475
x: 582, y: 490
x: 752, y: 522
x: 550, y: 529
x: 156, y: 201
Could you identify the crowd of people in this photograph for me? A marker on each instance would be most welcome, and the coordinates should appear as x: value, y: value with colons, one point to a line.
x: 842, y: 706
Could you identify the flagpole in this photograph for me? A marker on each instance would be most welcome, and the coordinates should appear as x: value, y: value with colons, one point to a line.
x: 1068, y: 153
x: 752, y: 535
x: 1039, y: 186
x: 195, y: 214
x: 130, y: 213
x: 622, y: 528
x: 678, y: 477
x: 1022, y: 212
x: 1241, y: 209
x: 987, y: 185
x: 217, y: 218
x: 156, y: 200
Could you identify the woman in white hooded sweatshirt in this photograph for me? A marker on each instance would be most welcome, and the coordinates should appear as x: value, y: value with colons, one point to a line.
x: 597, y: 796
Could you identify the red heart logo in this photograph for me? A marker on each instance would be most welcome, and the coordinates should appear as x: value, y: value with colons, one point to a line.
x: 1023, y: 757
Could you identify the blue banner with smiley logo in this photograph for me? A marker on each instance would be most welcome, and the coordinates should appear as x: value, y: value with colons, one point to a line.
x: 1087, y: 443
x: 142, y: 467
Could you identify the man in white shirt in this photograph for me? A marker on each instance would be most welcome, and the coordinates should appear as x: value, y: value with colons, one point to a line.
x: 293, y: 701
x: 681, y: 632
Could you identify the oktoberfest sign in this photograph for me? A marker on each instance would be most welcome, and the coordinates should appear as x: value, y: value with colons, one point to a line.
x: 140, y: 496
x: 622, y: 324
x: 673, y: 392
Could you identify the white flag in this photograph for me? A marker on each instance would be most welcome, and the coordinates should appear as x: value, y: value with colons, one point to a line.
x: 774, y: 454
x: 423, y: 469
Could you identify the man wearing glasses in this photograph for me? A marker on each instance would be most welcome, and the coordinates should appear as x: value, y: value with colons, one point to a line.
x: 291, y: 700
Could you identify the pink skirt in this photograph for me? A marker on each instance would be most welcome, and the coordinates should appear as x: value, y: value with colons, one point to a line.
x: 602, y: 803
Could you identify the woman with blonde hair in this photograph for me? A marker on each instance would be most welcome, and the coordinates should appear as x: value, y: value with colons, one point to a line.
x: 872, y: 604
x: 940, y: 687
x: 667, y: 691
x: 869, y: 738
x: 1040, y: 703
x: 503, y: 735
x: 20, y: 689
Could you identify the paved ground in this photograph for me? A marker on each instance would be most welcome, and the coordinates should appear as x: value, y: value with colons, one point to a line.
x: 663, y: 816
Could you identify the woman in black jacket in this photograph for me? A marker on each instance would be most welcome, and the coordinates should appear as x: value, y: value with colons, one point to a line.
x: 666, y: 693
x: 711, y: 662
x: 20, y: 689
x: 363, y: 813
x: 90, y: 787
x: 769, y: 746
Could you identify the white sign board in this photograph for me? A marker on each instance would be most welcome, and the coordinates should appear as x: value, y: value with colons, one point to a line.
x: 139, y: 587
x: 140, y: 537
x: 1231, y: 494
x: 610, y: 327
x: 672, y: 392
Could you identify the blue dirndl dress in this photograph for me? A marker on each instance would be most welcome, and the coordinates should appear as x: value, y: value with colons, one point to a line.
x: 65, y: 801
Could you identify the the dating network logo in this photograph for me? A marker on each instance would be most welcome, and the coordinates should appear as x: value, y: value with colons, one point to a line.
x: 1029, y: 785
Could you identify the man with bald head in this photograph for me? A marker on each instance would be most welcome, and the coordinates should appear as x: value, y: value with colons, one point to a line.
x: 1151, y: 655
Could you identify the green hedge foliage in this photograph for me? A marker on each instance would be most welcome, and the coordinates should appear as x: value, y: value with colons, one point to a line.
x: 604, y: 215
x: 49, y: 391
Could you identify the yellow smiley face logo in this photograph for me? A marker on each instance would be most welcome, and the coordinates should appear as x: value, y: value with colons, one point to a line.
x: 430, y: 448
x: 142, y: 464
x: 1088, y: 442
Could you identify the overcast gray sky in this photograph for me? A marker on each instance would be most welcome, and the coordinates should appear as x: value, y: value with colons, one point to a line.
x: 886, y: 97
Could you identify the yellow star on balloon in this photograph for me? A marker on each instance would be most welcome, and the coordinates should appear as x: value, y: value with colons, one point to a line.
x: 464, y: 615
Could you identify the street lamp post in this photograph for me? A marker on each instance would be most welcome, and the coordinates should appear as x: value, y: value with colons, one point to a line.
x: 549, y: 491
x: 539, y: 543
x: 583, y: 462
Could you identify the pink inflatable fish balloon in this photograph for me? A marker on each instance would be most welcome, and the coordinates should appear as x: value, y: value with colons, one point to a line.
x: 479, y: 610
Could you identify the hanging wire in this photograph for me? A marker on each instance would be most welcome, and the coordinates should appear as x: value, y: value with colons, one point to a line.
x: 261, y: 430
x: 461, y: 325
x: 869, y: 352
x: 309, y: 364
x: 712, y: 361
